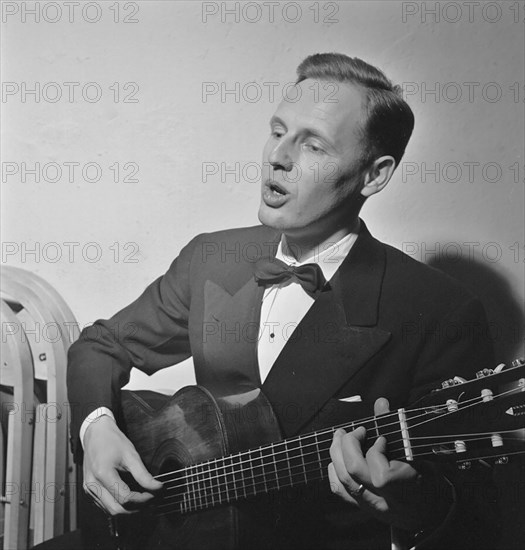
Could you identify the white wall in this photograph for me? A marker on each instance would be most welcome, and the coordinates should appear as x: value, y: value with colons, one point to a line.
x: 170, y: 132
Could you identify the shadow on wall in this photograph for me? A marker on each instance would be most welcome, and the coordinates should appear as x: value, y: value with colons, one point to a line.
x: 507, y: 324
x: 505, y: 313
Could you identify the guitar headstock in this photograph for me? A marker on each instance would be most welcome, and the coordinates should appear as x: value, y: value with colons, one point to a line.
x: 481, y: 419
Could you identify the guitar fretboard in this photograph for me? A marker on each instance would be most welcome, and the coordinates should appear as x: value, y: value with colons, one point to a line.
x: 288, y: 463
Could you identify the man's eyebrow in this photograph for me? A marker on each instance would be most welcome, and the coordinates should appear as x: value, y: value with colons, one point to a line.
x: 277, y: 120
x: 313, y: 132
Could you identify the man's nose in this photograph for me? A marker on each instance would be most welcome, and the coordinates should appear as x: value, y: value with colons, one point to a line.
x: 281, y: 156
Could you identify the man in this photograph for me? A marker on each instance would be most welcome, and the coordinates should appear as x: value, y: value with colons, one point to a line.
x: 358, y: 330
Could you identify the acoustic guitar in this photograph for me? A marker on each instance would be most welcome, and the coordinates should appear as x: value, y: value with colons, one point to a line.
x: 212, y: 453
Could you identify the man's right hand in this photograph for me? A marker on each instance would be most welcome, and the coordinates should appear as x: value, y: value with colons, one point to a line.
x: 106, y: 452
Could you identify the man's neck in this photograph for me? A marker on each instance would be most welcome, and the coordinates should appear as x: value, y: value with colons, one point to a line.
x: 306, y: 247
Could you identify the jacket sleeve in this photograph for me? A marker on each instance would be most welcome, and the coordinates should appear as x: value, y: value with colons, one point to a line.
x: 150, y: 334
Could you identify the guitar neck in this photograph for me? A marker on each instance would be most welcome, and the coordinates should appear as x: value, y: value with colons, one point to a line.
x: 476, y: 420
x: 288, y: 463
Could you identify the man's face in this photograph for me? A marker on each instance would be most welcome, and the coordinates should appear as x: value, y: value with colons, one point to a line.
x: 310, y: 161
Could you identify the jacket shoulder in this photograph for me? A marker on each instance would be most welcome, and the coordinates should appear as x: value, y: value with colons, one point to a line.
x: 242, y: 244
x: 421, y: 283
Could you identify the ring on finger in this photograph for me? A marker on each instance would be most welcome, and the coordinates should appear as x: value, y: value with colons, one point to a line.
x: 357, y: 492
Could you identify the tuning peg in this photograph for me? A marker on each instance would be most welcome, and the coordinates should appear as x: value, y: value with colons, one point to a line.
x: 501, y: 460
x: 464, y: 465
x: 452, y: 382
x: 484, y: 372
x: 520, y: 362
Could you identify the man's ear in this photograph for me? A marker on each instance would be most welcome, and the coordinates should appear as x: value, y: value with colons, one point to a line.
x: 378, y: 175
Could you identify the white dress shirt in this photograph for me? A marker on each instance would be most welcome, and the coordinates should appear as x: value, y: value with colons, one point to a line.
x: 285, y: 304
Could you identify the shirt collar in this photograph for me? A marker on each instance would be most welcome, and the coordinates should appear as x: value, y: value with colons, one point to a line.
x: 328, y: 257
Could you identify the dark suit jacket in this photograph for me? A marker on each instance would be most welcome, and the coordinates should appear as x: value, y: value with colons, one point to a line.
x: 385, y: 326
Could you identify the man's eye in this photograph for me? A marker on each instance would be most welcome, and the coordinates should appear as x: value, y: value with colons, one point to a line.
x: 277, y: 133
x: 314, y: 147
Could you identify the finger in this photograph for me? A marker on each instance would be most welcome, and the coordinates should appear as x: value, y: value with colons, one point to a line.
x: 359, y: 433
x: 119, y: 490
x: 103, y: 498
x: 381, y: 406
x: 136, y: 468
x: 348, y: 460
x: 337, y: 487
x: 385, y: 474
x: 338, y: 463
x: 109, y: 503
x: 354, y: 460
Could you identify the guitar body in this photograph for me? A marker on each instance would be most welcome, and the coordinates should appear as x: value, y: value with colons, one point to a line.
x: 191, y: 427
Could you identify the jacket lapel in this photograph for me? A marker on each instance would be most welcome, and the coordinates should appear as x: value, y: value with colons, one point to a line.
x: 231, y: 325
x: 232, y: 309
x: 335, y: 339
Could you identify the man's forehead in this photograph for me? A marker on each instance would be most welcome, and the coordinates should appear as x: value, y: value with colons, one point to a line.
x: 327, y: 102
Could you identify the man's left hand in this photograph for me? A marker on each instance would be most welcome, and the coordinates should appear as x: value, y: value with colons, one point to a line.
x: 389, y: 490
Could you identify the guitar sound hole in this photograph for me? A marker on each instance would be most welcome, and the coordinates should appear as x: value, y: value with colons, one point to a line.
x: 167, y: 465
x: 174, y: 487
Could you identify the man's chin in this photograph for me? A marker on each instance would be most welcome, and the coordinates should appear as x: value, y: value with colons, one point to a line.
x: 269, y: 217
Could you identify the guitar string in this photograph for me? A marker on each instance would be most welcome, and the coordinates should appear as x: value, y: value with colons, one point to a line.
x: 299, y: 439
x: 288, y: 465
x: 252, y: 490
x: 470, y: 403
x: 254, y: 482
x: 326, y: 431
x: 194, y: 507
x: 303, y: 471
x: 360, y: 422
x: 450, y: 439
x: 185, y: 506
x: 206, y: 475
x: 478, y: 436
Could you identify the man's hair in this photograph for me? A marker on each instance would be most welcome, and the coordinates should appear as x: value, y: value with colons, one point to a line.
x: 388, y: 120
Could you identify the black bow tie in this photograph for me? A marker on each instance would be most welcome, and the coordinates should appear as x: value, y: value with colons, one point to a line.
x: 270, y: 271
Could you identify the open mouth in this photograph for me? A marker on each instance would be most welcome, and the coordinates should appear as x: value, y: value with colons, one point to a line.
x: 274, y: 194
x: 274, y: 187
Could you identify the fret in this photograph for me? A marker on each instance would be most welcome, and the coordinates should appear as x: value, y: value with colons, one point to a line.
x: 275, y: 466
x: 208, y: 491
x: 198, y: 478
x: 250, y: 469
x: 185, y: 499
x: 271, y: 478
x: 286, y: 458
x: 318, y: 453
x: 200, y: 491
x: 239, y: 475
x: 296, y: 461
x: 302, y: 460
x: 257, y: 467
x: 208, y: 494
x: 191, y: 488
x: 263, y: 470
x: 389, y: 427
x: 234, y: 474
x: 216, y: 479
x: 229, y: 479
